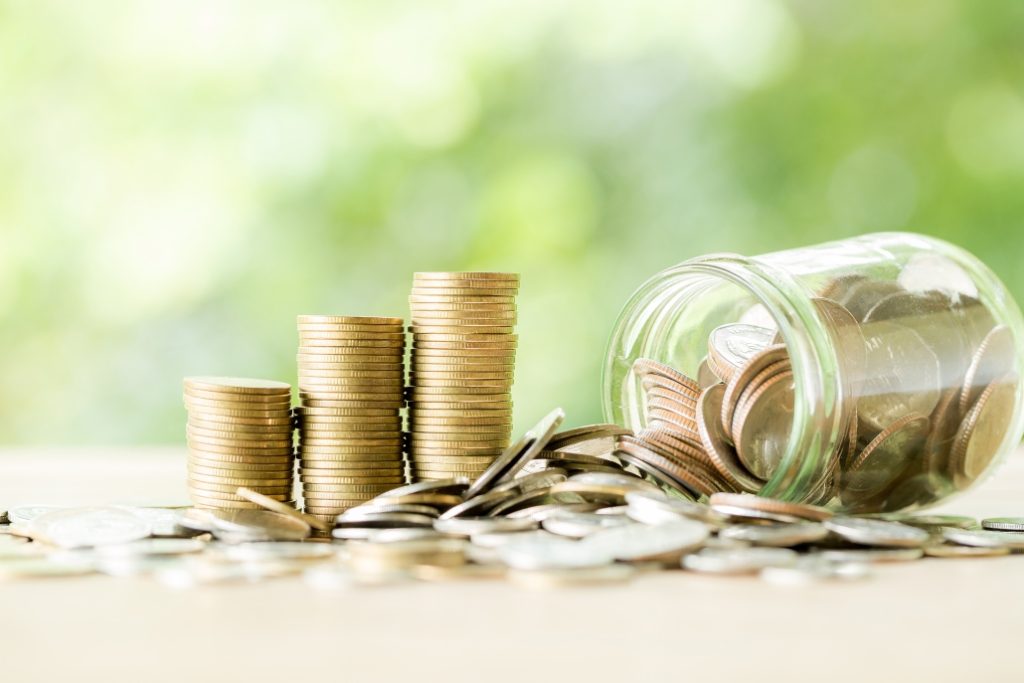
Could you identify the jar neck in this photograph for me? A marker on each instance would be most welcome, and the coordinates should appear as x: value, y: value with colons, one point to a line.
x: 818, y: 384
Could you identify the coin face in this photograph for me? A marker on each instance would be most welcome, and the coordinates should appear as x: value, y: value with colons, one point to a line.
x: 901, y: 377
x: 88, y: 527
x: 877, y: 532
x: 733, y: 345
x: 983, y: 430
x: 762, y: 426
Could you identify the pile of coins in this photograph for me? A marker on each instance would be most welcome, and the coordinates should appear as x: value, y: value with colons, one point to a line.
x: 239, y: 433
x: 351, y: 380
x: 555, y: 508
x: 462, y: 366
x: 928, y: 392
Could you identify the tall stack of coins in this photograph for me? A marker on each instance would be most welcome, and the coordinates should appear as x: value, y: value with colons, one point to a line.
x: 351, y: 378
x: 239, y: 434
x: 460, y: 386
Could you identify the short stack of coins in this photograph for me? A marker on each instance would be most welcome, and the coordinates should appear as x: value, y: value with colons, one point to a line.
x: 460, y: 384
x: 351, y: 379
x: 239, y: 433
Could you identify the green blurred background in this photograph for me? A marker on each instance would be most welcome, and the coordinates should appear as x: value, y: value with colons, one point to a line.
x: 179, y: 179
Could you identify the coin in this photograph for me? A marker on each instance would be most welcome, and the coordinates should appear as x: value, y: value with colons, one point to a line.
x: 738, y: 560
x: 950, y: 550
x: 876, y: 532
x: 993, y: 356
x: 886, y: 457
x: 88, y: 527
x: 237, y: 385
x: 777, y: 535
x: 731, y: 346
x: 716, y: 443
x: 788, y: 510
x: 762, y: 426
x: 640, y: 542
x: 902, y: 376
x: 1003, y: 523
x: 983, y: 431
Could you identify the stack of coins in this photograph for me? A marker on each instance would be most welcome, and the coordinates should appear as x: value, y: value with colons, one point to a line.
x: 460, y: 386
x: 351, y: 377
x: 239, y: 434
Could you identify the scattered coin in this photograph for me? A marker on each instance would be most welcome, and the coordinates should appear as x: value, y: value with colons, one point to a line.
x: 876, y: 532
x: 1002, y: 523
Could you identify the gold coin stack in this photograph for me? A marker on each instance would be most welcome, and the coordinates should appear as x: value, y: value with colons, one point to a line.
x: 460, y: 385
x: 351, y: 378
x: 239, y: 433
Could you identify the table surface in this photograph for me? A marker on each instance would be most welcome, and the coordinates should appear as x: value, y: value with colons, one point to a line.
x: 933, y: 620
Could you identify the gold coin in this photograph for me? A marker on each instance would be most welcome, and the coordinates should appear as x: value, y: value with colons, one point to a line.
x: 463, y: 346
x: 333, y: 481
x: 495, y: 329
x: 457, y: 363
x: 206, y: 487
x: 983, y: 430
x: 359, y: 383
x: 349, y: 426
x: 444, y: 305
x: 429, y: 385
x: 460, y: 432
x: 213, y: 450
x: 348, y: 399
x: 305, y: 411
x: 415, y: 299
x: 311, y: 441
x: 461, y: 406
x: 347, y: 320
x: 438, y: 463
x: 307, y: 451
x: 341, y: 488
x: 357, y: 338
x: 465, y: 334
x: 422, y: 452
x: 209, y: 458
x: 466, y: 291
x: 353, y: 360
x: 262, y: 478
x: 230, y: 432
x: 464, y: 355
x: 203, y: 504
x: 421, y: 474
x: 442, y: 414
x: 351, y: 346
x: 237, y: 385
x: 505, y: 376
x: 243, y: 470
x: 330, y: 512
x: 345, y: 327
x: 219, y: 497
x: 199, y: 421
x: 237, y: 401
x: 282, y: 508
x: 212, y: 420
x: 395, y: 373
x: 232, y: 441
x: 381, y: 469
x: 466, y: 275
x: 229, y: 415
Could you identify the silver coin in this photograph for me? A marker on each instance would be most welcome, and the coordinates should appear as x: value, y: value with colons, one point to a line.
x: 984, y: 538
x: 468, y: 526
x: 877, y: 532
x: 508, y: 464
x: 26, y: 513
x: 553, y: 553
x: 383, y: 520
x: 815, y: 568
x: 734, y: 344
x: 933, y: 521
x: 87, y: 527
x: 278, y: 550
x: 862, y: 555
x: 524, y: 482
x: 580, y: 524
x: 777, y: 535
x: 609, y: 479
x: 496, y: 539
x: 638, y: 542
x: 402, y: 534
x: 557, y: 578
x: 657, y: 508
x: 738, y: 560
x: 1003, y: 523
x: 956, y: 551
x: 43, y: 567
x: 480, y: 504
x: 455, y: 486
x: 153, y: 546
x: 926, y: 271
x: 541, y: 512
x: 257, y: 525
x: 163, y: 521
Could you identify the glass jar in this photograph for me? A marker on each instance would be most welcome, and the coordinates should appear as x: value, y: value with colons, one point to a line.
x: 878, y: 373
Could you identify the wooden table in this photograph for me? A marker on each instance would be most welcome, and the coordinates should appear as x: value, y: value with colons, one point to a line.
x: 933, y: 620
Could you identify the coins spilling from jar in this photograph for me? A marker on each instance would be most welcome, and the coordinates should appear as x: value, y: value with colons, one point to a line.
x: 351, y: 379
x: 926, y: 392
x: 239, y: 433
x: 462, y: 366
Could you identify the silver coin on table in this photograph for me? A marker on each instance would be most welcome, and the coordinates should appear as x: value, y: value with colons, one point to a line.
x: 468, y: 526
x: 814, y: 568
x: 877, y: 532
x: 581, y: 524
x: 1002, y: 523
x: 518, y: 454
x: 985, y: 538
x: 952, y: 550
x: 257, y: 525
x: 868, y: 555
x: 657, y: 508
x: 153, y: 546
x: 553, y: 553
x: 579, y: 576
x: 778, y: 535
x: 738, y: 560
x: 88, y: 527
x: 638, y: 542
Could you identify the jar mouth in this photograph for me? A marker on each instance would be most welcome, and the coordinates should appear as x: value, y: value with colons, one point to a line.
x: 817, y: 423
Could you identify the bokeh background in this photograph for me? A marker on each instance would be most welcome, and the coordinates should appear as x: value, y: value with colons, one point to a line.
x: 179, y: 179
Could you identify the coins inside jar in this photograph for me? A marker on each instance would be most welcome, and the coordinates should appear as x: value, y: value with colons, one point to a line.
x: 926, y: 391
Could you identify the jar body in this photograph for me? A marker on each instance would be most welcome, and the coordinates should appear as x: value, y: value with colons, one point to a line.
x: 878, y: 373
